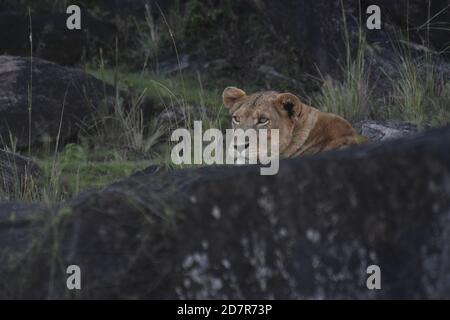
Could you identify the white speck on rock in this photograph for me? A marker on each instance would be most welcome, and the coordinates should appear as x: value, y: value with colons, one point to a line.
x: 283, y: 233
x: 315, y: 261
x: 226, y: 264
x: 216, y: 284
x: 313, y: 235
x: 216, y: 212
x: 198, y: 275
x: 266, y: 204
x: 188, y: 261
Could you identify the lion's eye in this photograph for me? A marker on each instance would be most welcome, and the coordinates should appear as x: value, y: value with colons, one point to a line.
x: 236, y: 119
x: 263, y: 120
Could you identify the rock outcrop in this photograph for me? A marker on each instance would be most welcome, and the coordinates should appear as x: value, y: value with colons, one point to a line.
x: 57, y: 98
x: 52, y: 40
x: 311, y: 231
x: 321, y: 30
x: 427, y: 21
x: 386, y: 130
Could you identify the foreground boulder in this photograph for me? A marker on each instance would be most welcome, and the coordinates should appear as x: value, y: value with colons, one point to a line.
x: 309, y: 232
x: 59, y: 99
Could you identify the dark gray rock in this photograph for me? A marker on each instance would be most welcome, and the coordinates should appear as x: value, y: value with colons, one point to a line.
x: 316, y: 29
x: 175, y: 65
x: 51, y: 39
x: 16, y: 223
x: 386, y: 130
x: 15, y: 171
x: 428, y: 22
x: 271, y: 74
x: 226, y: 232
x: 125, y: 8
x: 59, y: 96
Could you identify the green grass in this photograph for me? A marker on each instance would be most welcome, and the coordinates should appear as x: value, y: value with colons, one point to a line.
x: 182, y: 94
x: 112, y: 147
x: 75, y: 176
x: 175, y: 87
x: 74, y: 170
x: 351, y: 96
x: 421, y: 95
x: 418, y: 93
x: 186, y: 89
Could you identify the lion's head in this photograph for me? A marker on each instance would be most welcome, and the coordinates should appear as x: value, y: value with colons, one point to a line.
x: 263, y: 110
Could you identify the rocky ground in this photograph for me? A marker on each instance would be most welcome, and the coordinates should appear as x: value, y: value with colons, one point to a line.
x: 309, y: 232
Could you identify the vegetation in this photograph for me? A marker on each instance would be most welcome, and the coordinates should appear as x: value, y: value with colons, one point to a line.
x: 149, y: 104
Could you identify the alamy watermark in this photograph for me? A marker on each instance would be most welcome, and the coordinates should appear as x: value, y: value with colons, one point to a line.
x: 373, y: 21
x: 73, y: 281
x: 239, y: 146
x: 373, y: 281
x: 73, y: 22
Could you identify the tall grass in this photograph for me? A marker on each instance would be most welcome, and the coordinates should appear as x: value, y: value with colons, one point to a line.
x: 421, y: 91
x: 30, y: 85
x: 418, y: 92
x: 136, y: 134
x: 352, y: 95
x: 181, y: 99
x: 28, y: 184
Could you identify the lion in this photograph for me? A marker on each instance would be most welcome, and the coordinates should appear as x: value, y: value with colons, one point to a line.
x: 303, y: 130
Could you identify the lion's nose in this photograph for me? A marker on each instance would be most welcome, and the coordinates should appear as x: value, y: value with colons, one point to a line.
x: 241, y: 147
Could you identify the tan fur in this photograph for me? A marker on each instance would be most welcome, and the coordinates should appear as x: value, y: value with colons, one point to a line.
x: 303, y: 130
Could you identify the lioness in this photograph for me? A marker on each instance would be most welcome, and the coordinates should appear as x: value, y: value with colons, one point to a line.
x: 303, y: 130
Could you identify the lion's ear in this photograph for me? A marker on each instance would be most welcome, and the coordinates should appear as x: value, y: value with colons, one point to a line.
x: 289, y: 103
x: 231, y: 95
